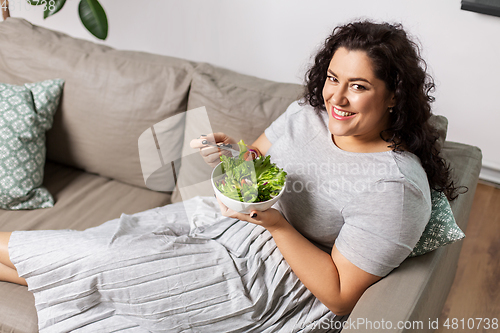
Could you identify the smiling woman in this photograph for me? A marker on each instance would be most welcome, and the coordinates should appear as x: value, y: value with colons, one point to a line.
x: 379, y: 64
x: 306, y: 260
x: 358, y: 103
x: 367, y: 104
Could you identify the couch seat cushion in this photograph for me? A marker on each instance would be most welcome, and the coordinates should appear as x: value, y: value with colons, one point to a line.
x: 82, y: 200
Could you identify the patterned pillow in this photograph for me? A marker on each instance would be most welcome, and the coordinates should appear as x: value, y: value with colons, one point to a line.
x: 26, y: 113
x: 441, y: 229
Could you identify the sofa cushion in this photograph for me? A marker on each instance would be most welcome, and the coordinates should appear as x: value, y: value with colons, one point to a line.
x: 441, y: 229
x: 440, y: 124
x: 17, y: 309
x: 110, y: 96
x: 239, y: 105
x: 82, y: 200
x: 26, y: 113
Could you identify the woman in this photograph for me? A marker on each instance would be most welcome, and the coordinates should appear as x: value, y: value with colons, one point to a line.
x: 360, y: 159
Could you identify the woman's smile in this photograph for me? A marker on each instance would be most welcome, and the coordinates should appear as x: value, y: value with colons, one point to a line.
x: 340, y: 114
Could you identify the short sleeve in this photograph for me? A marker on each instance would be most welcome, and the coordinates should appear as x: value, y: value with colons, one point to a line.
x: 382, y: 225
x: 277, y: 127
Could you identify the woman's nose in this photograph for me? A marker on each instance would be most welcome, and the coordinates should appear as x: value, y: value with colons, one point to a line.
x: 338, y: 96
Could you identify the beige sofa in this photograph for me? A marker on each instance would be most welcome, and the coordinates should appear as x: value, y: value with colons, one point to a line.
x: 93, y: 167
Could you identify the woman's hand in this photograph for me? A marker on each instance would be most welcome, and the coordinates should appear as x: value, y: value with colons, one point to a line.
x: 211, y: 155
x: 271, y: 219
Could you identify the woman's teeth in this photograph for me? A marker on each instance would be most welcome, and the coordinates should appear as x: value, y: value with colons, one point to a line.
x: 342, y: 113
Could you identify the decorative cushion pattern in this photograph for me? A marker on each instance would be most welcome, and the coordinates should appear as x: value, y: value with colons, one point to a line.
x: 26, y: 113
x: 441, y: 229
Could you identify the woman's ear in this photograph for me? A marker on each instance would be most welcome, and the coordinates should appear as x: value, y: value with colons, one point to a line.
x: 392, y: 101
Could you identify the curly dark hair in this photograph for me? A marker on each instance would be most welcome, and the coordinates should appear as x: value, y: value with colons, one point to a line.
x: 396, y: 61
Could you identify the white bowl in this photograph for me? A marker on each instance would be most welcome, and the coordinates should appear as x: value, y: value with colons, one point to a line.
x: 239, y: 206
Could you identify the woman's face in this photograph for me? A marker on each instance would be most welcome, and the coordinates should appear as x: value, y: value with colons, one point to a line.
x: 356, y: 100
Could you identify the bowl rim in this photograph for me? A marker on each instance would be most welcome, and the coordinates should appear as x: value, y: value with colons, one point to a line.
x: 242, y: 202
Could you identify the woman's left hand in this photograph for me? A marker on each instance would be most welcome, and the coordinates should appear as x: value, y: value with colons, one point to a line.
x: 270, y: 218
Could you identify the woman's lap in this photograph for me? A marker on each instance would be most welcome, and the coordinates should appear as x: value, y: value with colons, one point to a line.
x: 154, y: 275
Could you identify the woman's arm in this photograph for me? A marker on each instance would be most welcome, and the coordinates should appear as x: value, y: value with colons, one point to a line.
x: 262, y: 144
x: 334, y: 280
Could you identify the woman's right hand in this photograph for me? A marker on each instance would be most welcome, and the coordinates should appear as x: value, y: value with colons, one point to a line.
x: 211, y: 155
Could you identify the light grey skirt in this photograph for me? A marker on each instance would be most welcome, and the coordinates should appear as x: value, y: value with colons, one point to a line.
x: 178, y: 268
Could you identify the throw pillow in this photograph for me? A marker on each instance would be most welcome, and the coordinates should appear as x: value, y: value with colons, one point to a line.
x: 26, y: 113
x: 441, y: 229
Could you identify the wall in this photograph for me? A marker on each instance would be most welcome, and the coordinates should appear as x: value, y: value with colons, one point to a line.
x: 274, y: 39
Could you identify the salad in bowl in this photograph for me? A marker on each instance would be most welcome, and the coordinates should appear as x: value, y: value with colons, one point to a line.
x: 244, y: 183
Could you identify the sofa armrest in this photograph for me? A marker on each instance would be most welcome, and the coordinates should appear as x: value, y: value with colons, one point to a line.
x: 413, y: 295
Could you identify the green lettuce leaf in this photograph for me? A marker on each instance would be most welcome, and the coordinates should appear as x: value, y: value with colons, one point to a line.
x: 250, y: 181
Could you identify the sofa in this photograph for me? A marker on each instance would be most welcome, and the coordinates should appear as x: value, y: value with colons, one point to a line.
x: 93, y: 162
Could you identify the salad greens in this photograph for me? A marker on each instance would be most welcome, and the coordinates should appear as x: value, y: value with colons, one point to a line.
x: 250, y: 180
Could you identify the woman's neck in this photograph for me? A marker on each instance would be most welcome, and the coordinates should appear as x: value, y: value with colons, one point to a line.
x: 355, y: 145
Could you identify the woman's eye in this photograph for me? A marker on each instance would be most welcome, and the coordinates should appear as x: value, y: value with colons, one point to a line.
x: 331, y: 78
x: 358, y: 87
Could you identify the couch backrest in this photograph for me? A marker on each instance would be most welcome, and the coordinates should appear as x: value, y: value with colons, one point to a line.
x: 110, y: 97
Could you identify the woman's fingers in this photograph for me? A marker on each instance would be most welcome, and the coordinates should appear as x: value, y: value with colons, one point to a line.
x: 220, y: 137
x: 210, y: 153
x: 207, y: 151
x: 231, y: 213
x: 225, y: 210
x: 210, y: 140
x: 198, y: 142
x: 270, y: 218
x: 211, y: 158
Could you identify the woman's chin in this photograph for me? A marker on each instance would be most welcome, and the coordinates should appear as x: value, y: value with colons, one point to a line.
x: 338, y: 130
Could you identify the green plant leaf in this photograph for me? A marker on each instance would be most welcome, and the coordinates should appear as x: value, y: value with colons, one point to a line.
x: 93, y: 18
x: 53, y: 7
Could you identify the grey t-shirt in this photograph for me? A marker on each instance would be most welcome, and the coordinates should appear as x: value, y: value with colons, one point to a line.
x: 372, y: 206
